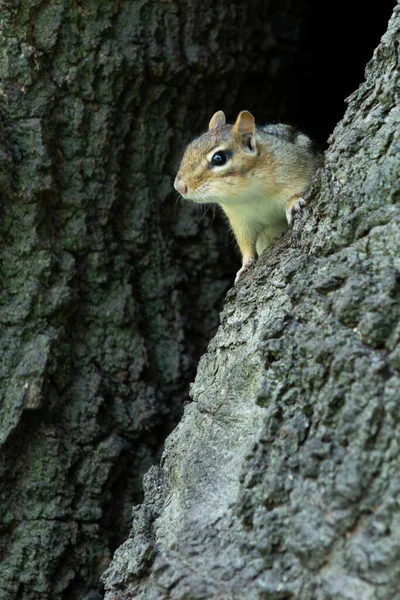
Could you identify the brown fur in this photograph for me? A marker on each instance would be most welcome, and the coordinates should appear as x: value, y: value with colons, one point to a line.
x: 268, y: 171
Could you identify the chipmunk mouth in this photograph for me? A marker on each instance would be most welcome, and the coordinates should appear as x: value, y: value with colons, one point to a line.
x: 193, y: 198
x: 200, y: 195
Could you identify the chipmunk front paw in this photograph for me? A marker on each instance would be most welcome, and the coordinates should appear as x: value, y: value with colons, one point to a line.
x: 294, y: 206
x: 245, y: 269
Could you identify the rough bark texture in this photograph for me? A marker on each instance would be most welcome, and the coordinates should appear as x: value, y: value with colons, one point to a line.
x: 100, y: 330
x: 282, y: 479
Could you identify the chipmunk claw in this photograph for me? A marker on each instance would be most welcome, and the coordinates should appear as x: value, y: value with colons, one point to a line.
x: 245, y: 269
x: 295, y: 206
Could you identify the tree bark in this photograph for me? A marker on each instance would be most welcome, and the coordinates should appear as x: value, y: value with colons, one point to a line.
x: 282, y: 479
x: 110, y: 291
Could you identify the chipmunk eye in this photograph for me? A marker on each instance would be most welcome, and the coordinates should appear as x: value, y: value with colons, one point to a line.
x: 220, y: 158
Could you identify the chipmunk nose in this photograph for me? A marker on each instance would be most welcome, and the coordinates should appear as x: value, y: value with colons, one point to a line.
x: 180, y: 186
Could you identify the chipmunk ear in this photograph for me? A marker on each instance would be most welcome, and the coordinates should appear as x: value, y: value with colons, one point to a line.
x: 217, y: 120
x: 244, y: 130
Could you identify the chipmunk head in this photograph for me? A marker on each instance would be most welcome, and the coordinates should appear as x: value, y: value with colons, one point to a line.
x: 215, y: 164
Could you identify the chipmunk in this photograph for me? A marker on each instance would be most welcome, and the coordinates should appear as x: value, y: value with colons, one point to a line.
x: 258, y: 175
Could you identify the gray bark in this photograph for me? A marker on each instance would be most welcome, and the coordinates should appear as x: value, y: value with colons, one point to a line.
x: 282, y: 479
x: 110, y: 290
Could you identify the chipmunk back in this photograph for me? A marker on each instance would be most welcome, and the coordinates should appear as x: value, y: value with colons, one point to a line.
x: 258, y: 176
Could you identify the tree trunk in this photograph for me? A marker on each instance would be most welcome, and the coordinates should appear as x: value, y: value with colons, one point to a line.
x: 110, y: 291
x: 282, y: 479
